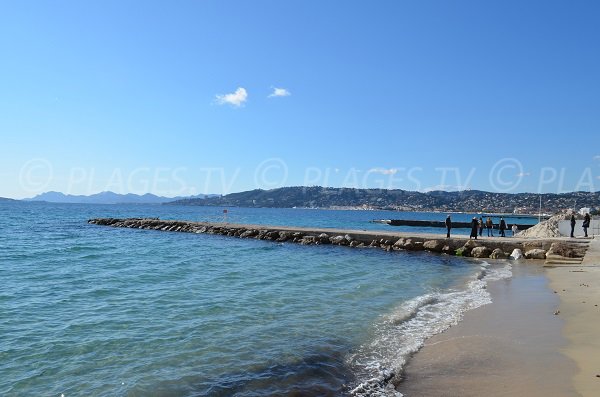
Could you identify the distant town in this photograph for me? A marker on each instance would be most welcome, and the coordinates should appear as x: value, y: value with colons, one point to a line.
x: 403, y: 200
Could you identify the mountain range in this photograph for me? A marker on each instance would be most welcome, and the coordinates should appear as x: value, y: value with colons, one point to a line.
x: 109, y: 198
x: 465, y: 201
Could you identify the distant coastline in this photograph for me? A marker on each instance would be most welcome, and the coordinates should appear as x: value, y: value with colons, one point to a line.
x: 470, y: 201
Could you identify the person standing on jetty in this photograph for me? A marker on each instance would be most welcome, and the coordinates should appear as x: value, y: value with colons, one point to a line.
x: 586, y: 223
x: 474, y: 226
x: 502, y: 227
x: 573, y: 222
x: 515, y: 230
x: 448, y: 226
x: 480, y: 222
x: 490, y: 226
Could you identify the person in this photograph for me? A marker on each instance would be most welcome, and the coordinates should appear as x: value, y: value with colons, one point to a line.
x: 502, y: 227
x: 448, y: 226
x: 480, y: 226
x: 515, y: 230
x: 573, y: 222
x: 474, y: 226
x: 490, y: 226
x: 586, y: 223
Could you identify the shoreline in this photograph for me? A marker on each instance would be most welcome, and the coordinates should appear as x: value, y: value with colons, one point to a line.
x: 512, y: 346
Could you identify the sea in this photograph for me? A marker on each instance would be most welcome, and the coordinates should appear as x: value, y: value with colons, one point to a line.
x: 88, y: 310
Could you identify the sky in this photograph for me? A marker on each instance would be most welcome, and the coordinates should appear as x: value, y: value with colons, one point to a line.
x: 215, y: 97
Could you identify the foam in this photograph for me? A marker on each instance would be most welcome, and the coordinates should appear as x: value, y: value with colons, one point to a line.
x: 402, y: 333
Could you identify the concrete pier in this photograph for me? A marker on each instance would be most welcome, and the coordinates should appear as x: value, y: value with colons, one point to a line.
x: 554, y: 249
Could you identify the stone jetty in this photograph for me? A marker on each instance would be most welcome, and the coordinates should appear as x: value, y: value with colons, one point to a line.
x: 553, y: 250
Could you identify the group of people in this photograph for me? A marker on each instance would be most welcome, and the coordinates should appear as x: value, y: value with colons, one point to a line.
x: 586, y: 224
x: 477, y: 226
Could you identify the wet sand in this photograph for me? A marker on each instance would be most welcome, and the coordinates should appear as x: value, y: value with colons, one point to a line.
x: 511, y: 347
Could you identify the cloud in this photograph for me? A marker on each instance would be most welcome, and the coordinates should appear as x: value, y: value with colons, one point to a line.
x: 237, y: 99
x: 279, y: 92
x: 597, y: 158
x: 522, y: 174
x: 384, y: 171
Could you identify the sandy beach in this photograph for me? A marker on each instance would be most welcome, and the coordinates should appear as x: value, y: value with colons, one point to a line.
x: 539, y: 337
x: 579, y: 290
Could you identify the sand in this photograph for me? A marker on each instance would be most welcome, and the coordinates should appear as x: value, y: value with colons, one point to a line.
x: 511, y: 347
x: 539, y: 337
x: 579, y: 290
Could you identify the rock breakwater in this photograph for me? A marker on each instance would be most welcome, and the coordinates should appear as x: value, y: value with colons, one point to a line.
x: 495, y: 248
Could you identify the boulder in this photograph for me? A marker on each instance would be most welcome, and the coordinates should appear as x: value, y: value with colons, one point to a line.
x: 248, y: 233
x: 498, y: 254
x: 284, y: 236
x: 399, y: 244
x: 536, y: 253
x: 323, y: 238
x: 338, y: 240
x: 307, y: 240
x: 448, y: 249
x: 481, y: 252
x: 516, y: 254
x: 433, y: 245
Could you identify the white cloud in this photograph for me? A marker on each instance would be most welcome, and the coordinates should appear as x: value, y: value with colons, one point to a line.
x: 279, y: 92
x: 384, y: 171
x: 237, y: 99
x: 597, y: 158
x: 522, y: 174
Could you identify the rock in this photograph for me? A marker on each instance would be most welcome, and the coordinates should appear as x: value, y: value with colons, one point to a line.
x: 354, y: 243
x: 471, y: 244
x: 562, y: 249
x: 448, y: 249
x: 338, y: 240
x: 249, y: 233
x: 323, y: 238
x: 536, y: 253
x: 399, y: 244
x: 307, y: 240
x: 516, y: 254
x: 461, y: 252
x: 284, y: 236
x: 498, y: 254
x: 481, y: 252
x: 433, y: 245
x: 348, y: 238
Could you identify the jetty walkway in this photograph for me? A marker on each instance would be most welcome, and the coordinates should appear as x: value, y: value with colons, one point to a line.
x: 553, y: 250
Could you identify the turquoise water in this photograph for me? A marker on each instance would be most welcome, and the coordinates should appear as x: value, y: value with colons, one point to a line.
x: 90, y: 310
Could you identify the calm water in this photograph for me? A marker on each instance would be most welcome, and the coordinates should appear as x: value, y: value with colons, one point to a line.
x: 89, y: 310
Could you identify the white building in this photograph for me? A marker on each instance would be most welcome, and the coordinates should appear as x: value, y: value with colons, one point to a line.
x: 583, y: 211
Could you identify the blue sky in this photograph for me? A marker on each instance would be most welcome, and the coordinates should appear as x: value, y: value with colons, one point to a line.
x: 190, y: 97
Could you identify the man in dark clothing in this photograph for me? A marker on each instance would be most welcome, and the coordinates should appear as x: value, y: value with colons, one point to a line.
x: 502, y: 227
x: 448, y: 226
x: 480, y: 226
x: 573, y: 221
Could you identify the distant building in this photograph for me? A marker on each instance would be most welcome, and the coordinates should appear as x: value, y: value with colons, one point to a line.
x: 583, y: 211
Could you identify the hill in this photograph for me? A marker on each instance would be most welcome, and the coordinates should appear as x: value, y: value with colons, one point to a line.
x: 106, y: 198
x: 467, y: 201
